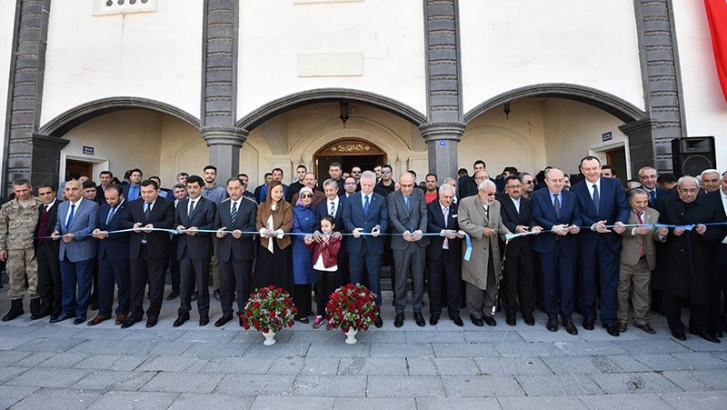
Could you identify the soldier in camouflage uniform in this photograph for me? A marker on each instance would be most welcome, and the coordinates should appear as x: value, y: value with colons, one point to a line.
x: 18, y: 219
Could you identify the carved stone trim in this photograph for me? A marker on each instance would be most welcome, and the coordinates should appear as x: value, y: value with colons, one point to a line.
x: 224, y: 136
x: 442, y: 131
x: 351, y: 146
x: 444, y: 84
x: 219, y: 65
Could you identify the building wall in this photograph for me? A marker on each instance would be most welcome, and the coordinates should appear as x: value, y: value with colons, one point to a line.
x: 511, y: 44
x: 705, y: 106
x: 372, y: 45
x: 7, y: 19
x: 155, y: 55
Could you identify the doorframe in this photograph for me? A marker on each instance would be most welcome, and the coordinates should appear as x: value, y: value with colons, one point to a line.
x: 99, y: 164
x: 600, y: 153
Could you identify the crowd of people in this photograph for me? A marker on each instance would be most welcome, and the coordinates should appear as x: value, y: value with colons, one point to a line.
x: 516, y: 242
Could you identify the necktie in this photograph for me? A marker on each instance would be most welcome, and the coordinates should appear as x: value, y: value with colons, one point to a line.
x: 641, y: 221
x: 70, y: 216
x: 652, y: 198
x: 191, y: 207
x: 406, y: 202
x: 556, y: 205
x: 147, y: 210
x: 332, y: 212
x: 112, y: 211
x: 366, y: 205
x: 445, y: 211
x: 233, y: 212
x: 596, y: 197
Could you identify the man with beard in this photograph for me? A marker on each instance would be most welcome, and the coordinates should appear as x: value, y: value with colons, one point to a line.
x: 132, y: 190
x: 46, y: 250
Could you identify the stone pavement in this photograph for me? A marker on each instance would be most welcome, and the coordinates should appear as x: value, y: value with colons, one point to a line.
x: 442, y: 367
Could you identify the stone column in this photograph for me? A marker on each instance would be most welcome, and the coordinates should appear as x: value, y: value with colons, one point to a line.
x: 224, y: 144
x: 642, y: 151
x: 444, y: 86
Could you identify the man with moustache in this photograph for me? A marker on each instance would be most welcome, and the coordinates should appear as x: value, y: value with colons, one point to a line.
x: 556, y: 210
x: 113, y: 258
x: 179, y: 191
x: 194, y: 250
x: 710, y: 180
x: 148, y: 251
x: 46, y: 251
x: 309, y: 181
x: 519, y: 273
x: 647, y: 177
x: 244, y: 179
x: 236, y: 250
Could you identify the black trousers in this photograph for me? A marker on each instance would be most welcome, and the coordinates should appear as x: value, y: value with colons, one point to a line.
x: 698, y: 314
x: 445, y: 275
x: 518, y: 284
x: 49, y: 278
x: 302, y: 300
x: 235, y: 277
x: 194, y: 272
x: 147, y: 270
x: 327, y: 283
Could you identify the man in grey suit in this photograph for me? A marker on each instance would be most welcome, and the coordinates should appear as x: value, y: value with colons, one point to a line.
x: 77, y: 218
x: 408, y: 220
x: 480, y: 217
x: 638, y: 259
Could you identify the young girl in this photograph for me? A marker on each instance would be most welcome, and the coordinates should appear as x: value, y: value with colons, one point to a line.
x: 325, y: 263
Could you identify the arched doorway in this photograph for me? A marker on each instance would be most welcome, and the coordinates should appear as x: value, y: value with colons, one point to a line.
x: 349, y: 152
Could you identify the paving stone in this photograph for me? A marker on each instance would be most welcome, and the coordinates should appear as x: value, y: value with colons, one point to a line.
x: 685, y: 380
x: 511, y: 365
x: 173, y: 364
x: 456, y: 366
x: 662, y: 362
x: 198, y: 401
x: 581, y: 364
x: 706, y: 379
x: 106, y: 346
x: 383, y: 335
x: 339, y: 349
x: 590, y: 348
x: 482, y: 386
x: 10, y: 357
x: 66, y: 399
x: 291, y: 403
x: 539, y: 333
x: 206, y: 335
x: 183, y: 382
x: 310, y: 366
x: 697, y: 344
x: 543, y: 403
x: 528, y: 349
x: 449, y: 403
x: 145, y: 335
x: 490, y: 337
x: 652, y: 346
x: 629, y: 383
x: 373, y: 366
x: 401, y: 350
x: 114, y: 380
x: 329, y: 386
x: 65, y: 359
x: 557, y: 385
x: 134, y: 400
x: 421, y: 366
x: 700, y: 361
x: 642, y: 401
x: 256, y: 385
x: 10, y: 395
x: 112, y: 332
x: 48, y: 377
x: 32, y: 359
x: 628, y: 363
x: 111, y: 362
x: 50, y: 345
x: 464, y: 350
x: 167, y: 348
x: 341, y: 403
x: 434, y: 337
x: 216, y: 349
x: 279, y: 349
x: 9, y: 343
x: 708, y: 400
x: 247, y: 365
x: 404, y: 386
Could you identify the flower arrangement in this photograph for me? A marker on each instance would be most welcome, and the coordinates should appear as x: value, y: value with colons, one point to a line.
x: 269, y: 309
x: 351, y: 307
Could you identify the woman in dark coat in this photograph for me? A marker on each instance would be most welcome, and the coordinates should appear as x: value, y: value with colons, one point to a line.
x: 274, y: 218
x: 304, y: 221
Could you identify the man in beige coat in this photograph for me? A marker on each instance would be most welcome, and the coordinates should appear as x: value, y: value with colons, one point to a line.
x: 638, y: 259
x: 480, y: 217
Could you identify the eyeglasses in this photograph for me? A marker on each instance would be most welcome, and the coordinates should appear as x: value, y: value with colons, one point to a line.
x: 529, y: 182
x: 355, y: 172
x: 306, y: 196
x: 349, y: 183
x: 385, y: 171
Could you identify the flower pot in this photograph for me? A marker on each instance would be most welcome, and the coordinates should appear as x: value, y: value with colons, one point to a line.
x: 351, y: 336
x: 269, y: 338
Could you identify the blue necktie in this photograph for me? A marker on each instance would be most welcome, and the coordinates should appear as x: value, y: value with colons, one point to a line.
x: 112, y: 211
x: 652, y: 198
x: 366, y: 205
x: 596, y: 198
x: 233, y: 213
x: 407, y: 202
x: 70, y: 217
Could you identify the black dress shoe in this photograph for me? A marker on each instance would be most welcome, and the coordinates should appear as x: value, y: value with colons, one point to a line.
x: 588, y: 324
x: 529, y: 319
x: 552, y: 325
x: 419, y: 319
x: 130, y: 321
x: 378, y: 322
x: 151, y: 321
x: 679, y: 334
x: 612, y: 330
x: 242, y: 324
x: 204, y: 320
x: 477, y: 322
x: 457, y: 320
x: 224, y: 319
x: 79, y: 319
x: 433, y: 320
x: 510, y: 319
x: 570, y: 327
x: 183, y: 317
x: 63, y: 316
x: 490, y: 321
x: 709, y: 337
x: 53, y: 318
x: 172, y: 295
x: 399, y: 320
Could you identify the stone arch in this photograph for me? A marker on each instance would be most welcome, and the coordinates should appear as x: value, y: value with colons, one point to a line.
x: 66, y: 121
x: 616, y: 106
x: 516, y: 138
x: 289, y: 102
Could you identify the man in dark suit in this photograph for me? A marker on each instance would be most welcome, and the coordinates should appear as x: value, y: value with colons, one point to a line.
x: 113, y: 258
x: 647, y: 177
x: 46, y: 250
x: 106, y: 178
x: 77, y: 218
x: 133, y: 188
x: 444, y: 256
x: 148, y: 251
x: 468, y: 186
x: 333, y: 206
x: 556, y: 210
x: 194, y: 250
x: 602, y: 202
x: 366, y: 212
x: 718, y: 299
x: 236, y: 250
x: 408, y: 219
x: 519, y: 273
x: 180, y: 193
